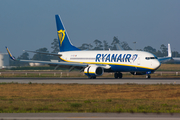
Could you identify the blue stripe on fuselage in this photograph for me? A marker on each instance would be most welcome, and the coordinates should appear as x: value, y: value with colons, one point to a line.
x: 122, y: 68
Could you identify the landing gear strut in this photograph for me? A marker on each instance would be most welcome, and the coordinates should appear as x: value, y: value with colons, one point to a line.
x: 148, y: 76
x: 118, y: 75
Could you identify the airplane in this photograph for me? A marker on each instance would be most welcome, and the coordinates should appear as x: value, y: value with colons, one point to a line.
x: 95, y: 63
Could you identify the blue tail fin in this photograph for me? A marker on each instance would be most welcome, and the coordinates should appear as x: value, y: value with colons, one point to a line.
x: 64, y: 42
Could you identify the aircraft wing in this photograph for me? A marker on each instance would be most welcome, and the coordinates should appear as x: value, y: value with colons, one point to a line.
x: 55, y: 63
x: 164, y: 59
x: 63, y: 64
x: 176, y: 59
x: 54, y: 54
x: 68, y: 64
x: 167, y: 58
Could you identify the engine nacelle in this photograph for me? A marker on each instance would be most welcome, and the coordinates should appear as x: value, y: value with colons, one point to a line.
x: 93, y: 71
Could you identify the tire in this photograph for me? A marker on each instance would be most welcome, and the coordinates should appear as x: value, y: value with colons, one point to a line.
x: 116, y: 75
x: 148, y: 76
x: 119, y: 75
x: 92, y: 77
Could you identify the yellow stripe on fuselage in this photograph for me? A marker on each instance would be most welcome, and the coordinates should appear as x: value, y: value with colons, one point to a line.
x: 105, y: 63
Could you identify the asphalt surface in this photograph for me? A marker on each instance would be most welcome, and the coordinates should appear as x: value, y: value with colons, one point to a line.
x: 89, y: 116
x: 92, y: 81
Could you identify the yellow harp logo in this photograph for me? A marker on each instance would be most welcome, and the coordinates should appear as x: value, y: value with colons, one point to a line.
x: 61, y: 35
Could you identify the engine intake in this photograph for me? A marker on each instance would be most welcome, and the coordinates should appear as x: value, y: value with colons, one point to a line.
x: 93, y: 71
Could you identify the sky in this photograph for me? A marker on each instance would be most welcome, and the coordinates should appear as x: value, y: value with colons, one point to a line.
x: 30, y: 24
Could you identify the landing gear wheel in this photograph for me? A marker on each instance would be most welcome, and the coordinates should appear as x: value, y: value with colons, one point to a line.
x: 117, y: 75
x: 92, y: 77
x: 148, y: 76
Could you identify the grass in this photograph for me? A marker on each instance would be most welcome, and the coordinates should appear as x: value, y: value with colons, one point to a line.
x: 81, y: 75
x: 169, y: 67
x: 24, y: 98
x: 58, y: 74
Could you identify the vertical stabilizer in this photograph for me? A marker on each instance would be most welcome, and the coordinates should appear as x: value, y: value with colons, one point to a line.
x: 169, y: 51
x: 64, y: 42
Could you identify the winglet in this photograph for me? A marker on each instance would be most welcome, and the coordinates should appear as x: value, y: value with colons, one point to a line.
x: 10, y: 55
x: 169, y: 51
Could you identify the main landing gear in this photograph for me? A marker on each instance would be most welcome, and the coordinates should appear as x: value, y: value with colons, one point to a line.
x: 92, y: 77
x: 148, y: 76
x: 117, y: 75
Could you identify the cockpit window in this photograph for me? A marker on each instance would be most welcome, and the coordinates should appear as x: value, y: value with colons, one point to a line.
x: 148, y: 58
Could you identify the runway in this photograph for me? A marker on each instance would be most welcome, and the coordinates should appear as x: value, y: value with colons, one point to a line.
x: 89, y: 116
x: 91, y: 81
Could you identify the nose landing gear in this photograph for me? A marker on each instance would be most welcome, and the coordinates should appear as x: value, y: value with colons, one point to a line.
x: 148, y: 76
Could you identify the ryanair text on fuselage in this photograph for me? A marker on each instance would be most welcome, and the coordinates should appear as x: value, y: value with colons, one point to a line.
x: 115, y: 57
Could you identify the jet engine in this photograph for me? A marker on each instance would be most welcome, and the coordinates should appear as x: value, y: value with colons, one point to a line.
x: 93, y: 71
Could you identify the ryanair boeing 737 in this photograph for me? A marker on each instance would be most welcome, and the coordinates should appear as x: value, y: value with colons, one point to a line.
x: 95, y: 63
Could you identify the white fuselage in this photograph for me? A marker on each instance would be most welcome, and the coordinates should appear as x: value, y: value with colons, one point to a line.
x: 117, y: 60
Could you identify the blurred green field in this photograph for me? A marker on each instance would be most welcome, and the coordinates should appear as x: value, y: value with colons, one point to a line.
x: 169, y: 67
x: 132, y: 98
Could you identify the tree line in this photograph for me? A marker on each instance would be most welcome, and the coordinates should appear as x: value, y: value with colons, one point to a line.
x: 116, y: 44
